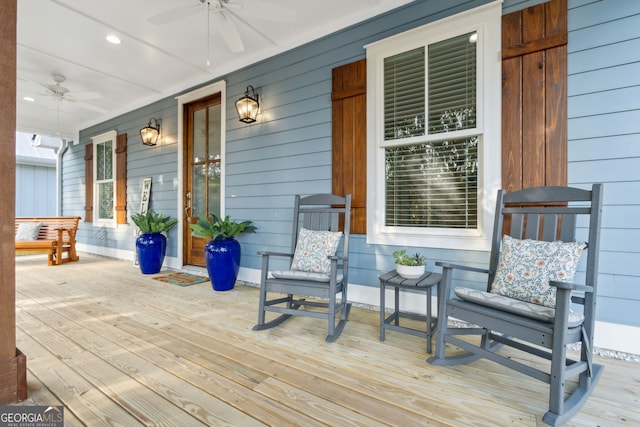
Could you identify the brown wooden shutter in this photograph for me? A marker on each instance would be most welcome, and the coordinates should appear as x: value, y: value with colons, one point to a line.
x: 349, y: 135
x: 534, y: 96
x: 121, y: 178
x: 88, y: 183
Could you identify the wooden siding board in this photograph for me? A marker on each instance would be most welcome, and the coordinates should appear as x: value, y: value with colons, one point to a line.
x: 592, y: 13
x: 605, y: 33
x: 606, y: 102
x: 593, y: 81
x: 623, y: 217
x: 619, y: 123
x: 619, y: 310
x: 628, y: 191
x: 604, y: 56
x: 621, y: 240
x: 298, y: 140
x: 625, y: 287
x: 510, y: 6
x: 606, y: 171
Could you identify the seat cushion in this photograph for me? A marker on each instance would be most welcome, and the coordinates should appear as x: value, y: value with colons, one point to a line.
x: 303, y: 275
x: 313, y: 249
x: 525, y: 268
x: 515, y: 306
x: 28, y: 231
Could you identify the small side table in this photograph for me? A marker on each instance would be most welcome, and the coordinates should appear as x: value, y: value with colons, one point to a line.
x: 424, y: 283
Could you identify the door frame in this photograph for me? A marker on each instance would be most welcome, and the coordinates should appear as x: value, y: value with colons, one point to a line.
x: 187, y: 98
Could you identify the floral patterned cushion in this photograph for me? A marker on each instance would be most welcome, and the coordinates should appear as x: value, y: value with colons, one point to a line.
x: 525, y: 268
x: 313, y: 249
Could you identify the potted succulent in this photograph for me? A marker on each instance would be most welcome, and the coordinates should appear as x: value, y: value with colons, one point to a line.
x: 151, y: 244
x: 222, y: 252
x: 409, y: 266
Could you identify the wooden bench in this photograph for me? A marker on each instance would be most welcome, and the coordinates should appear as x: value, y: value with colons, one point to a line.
x: 57, y: 237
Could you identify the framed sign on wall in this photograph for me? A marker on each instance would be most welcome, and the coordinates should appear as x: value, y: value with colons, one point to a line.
x: 146, y: 193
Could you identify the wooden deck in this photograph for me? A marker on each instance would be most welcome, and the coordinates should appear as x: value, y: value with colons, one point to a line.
x: 116, y: 347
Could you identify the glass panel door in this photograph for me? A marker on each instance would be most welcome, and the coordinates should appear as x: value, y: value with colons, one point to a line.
x: 203, y: 170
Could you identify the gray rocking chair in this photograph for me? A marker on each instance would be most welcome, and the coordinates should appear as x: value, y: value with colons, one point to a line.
x: 538, y: 215
x: 316, y: 271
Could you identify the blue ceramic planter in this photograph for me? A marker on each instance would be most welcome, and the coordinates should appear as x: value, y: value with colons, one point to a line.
x: 151, y: 249
x: 222, y: 257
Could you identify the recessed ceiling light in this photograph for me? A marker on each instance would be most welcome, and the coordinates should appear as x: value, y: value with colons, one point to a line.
x: 113, y: 39
x: 28, y: 98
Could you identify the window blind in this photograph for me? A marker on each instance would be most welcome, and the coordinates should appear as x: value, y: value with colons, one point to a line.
x: 404, y: 100
x: 433, y: 184
x: 452, y: 84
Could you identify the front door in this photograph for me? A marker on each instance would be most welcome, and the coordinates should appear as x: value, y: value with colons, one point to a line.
x: 203, y: 173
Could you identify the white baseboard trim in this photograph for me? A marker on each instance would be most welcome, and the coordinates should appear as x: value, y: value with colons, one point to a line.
x: 169, y: 262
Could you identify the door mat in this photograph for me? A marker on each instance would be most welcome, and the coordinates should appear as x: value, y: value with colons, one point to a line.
x: 182, y: 279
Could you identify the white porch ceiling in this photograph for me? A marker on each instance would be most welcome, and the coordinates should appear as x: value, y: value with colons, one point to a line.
x: 153, y: 61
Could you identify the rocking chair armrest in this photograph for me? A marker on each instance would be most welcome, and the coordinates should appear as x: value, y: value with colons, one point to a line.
x: 462, y: 267
x: 571, y: 286
x: 268, y: 253
x: 338, y: 257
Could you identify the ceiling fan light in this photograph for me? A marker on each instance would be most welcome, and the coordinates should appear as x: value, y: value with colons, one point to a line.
x: 248, y: 106
x: 149, y: 134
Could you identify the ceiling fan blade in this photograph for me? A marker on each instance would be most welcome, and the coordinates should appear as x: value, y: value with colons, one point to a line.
x: 87, y: 106
x: 174, y: 15
x: 228, y: 31
x: 268, y: 12
x: 83, y: 96
x: 55, y: 88
x: 31, y: 81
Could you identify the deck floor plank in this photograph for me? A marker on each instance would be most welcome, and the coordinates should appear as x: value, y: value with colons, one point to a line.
x: 116, y: 347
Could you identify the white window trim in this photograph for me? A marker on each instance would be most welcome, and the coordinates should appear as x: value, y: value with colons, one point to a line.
x: 97, y: 140
x: 486, y: 20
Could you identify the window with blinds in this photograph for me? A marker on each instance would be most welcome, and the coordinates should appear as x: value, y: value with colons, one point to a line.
x: 432, y: 180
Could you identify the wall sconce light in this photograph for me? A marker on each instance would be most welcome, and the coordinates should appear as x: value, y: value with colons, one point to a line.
x: 150, y: 133
x: 248, y: 105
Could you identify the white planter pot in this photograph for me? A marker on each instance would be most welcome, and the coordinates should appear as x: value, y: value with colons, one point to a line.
x: 410, y: 271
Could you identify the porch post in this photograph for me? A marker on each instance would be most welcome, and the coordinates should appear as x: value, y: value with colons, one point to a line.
x: 12, y: 361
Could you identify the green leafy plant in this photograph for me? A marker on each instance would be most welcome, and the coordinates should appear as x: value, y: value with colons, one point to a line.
x: 153, y: 222
x: 403, y: 259
x: 216, y: 227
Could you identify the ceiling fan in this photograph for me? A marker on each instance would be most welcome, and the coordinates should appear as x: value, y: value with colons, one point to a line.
x: 61, y: 93
x: 224, y: 13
